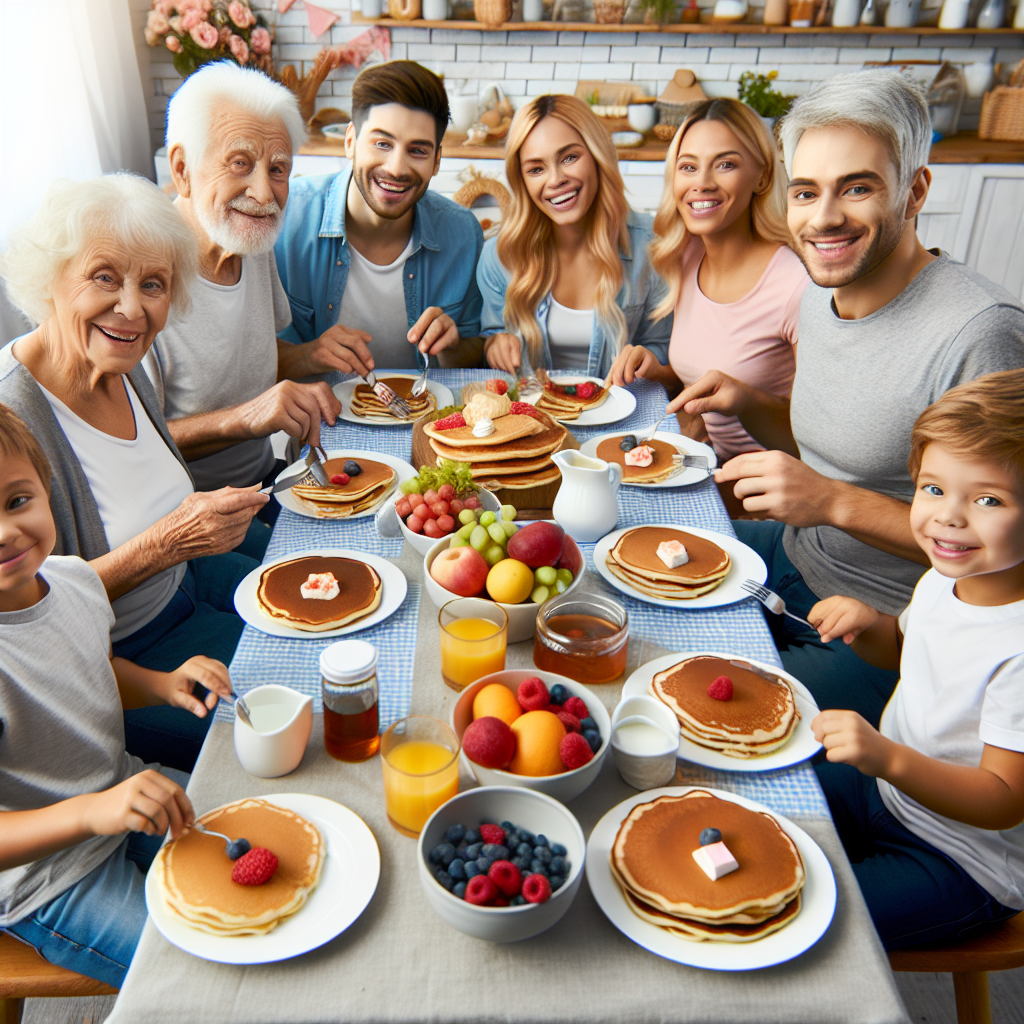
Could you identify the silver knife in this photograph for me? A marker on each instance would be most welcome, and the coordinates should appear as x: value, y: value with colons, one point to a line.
x: 286, y: 483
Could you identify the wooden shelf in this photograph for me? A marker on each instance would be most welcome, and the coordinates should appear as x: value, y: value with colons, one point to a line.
x: 724, y: 28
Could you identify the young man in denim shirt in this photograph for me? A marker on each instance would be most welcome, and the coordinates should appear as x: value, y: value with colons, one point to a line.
x: 375, y: 265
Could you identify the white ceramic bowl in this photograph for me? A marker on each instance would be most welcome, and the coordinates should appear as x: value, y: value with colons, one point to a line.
x: 641, y: 116
x: 525, y: 809
x: 564, y: 787
x: 522, y: 618
x: 423, y: 544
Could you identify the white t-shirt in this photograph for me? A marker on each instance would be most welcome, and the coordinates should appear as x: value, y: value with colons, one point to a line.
x: 961, y: 687
x: 221, y: 353
x: 570, y: 332
x: 135, y: 483
x: 374, y: 301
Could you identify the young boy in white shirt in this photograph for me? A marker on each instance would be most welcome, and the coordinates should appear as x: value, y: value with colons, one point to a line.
x: 80, y: 818
x: 931, y: 821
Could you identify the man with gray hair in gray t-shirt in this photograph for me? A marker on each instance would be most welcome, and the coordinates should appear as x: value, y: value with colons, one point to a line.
x: 887, y: 327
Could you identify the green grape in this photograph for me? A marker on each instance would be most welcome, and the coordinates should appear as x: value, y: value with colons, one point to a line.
x: 546, y: 575
x: 493, y: 555
x: 497, y: 534
x: 479, y: 538
x: 509, y: 528
x: 508, y: 512
x: 560, y: 587
x: 411, y: 486
x: 465, y: 532
x: 467, y: 517
x: 487, y: 518
x: 458, y: 542
x: 540, y: 595
x: 565, y: 575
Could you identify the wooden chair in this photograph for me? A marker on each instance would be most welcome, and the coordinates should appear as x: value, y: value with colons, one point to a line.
x: 1000, y: 949
x: 24, y: 974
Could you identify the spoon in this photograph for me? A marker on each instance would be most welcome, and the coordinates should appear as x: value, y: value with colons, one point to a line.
x: 235, y: 847
x: 243, y: 710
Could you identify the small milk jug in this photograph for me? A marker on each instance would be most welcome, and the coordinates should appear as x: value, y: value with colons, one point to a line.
x: 585, y: 506
x: 282, y: 719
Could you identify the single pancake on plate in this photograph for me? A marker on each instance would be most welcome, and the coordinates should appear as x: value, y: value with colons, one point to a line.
x: 634, y: 559
x: 281, y: 597
x: 662, y: 466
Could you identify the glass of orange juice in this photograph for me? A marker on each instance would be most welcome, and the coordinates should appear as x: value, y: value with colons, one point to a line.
x: 420, y: 759
x: 474, y: 635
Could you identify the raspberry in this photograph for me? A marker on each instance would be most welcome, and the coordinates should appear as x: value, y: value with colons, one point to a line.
x: 576, y: 706
x: 721, y: 688
x: 574, y: 750
x: 586, y: 390
x: 450, y: 422
x: 522, y: 409
x: 532, y: 694
x: 570, y: 721
x: 480, y: 890
x: 255, y: 867
x: 499, y: 387
x: 536, y: 889
x: 340, y: 479
x: 506, y: 876
x: 493, y: 834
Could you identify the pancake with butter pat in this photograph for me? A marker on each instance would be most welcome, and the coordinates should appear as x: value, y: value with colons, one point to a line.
x: 194, y: 871
x: 661, y: 467
x: 280, y: 595
x: 760, y: 717
x: 634, y: 560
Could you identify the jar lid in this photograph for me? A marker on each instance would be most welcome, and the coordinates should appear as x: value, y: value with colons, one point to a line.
x: 348, y: 661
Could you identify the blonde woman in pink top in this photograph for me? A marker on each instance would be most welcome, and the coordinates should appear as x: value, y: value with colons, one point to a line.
x: 721, y: 244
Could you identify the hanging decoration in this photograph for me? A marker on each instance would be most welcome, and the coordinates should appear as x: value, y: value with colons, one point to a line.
x: 320, y: 19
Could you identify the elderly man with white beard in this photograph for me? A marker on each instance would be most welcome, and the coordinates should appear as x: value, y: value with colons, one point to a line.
x: 231, y: 132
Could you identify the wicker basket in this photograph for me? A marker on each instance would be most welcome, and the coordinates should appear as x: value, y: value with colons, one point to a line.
x: 609, y: 12
x: 492, y: 12
x: 1002, y: 115
x: 673, y: 113
x: 404, y: 10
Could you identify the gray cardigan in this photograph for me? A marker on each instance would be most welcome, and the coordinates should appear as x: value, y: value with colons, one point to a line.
x: 79, y: 528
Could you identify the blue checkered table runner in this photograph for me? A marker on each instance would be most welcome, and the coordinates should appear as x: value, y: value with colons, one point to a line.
x: 738, y: 627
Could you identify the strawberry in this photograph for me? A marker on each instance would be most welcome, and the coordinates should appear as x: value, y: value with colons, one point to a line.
x: 340, y: 479
x: 586, y: 390
x: 721, y: 688
x: 255, y: 867
x: 498, y: 386
x: 522, y: 409
x: 450, y: 422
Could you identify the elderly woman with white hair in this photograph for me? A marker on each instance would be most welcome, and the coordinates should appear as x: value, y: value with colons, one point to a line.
x: 99, y: 269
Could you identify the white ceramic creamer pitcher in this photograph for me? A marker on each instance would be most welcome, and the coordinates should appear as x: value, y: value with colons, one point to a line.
x: 585, y: 506
x: 282, y: 719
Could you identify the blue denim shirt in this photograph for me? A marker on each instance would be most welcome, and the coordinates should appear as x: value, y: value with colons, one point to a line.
x: 641, y: 292
x: 313, y: 258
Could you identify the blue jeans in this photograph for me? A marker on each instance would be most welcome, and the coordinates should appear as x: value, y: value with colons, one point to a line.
x: 94, y: 927
x: 199, y: 619
x: 832, y: 672
x: 915, y: 892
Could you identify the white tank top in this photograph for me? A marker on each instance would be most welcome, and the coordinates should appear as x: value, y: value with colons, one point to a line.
x: 569, y: 335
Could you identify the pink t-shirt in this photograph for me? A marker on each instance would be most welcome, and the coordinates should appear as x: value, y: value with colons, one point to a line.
x: 753, y: 340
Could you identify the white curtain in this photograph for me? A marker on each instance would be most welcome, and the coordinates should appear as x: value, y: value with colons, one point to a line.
x: 71, y: 105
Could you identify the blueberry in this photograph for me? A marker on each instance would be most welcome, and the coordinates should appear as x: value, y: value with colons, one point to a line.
x: 447, y: 853
x: 437, y: 853
x: 557, y: 866
x: 460, y: 890
x: 484, y: 864
x: 446, y: 880
x: 558, y: 694
x: 460, y: 850
x: 473, y: 851
x: 237, y: 847
x: 354, y: 469
x: 495, y: 851
x: 457, y: 868
x: 528, y: 837
x: 558, y: 850
x: 508, y: 827
x: 542, y: 853
x: 471, y: 870
x: 524, y: 850
x: 538, y: 867
x: 570, y: 389
x: 709, y: 836
x: 588, y: 723
x: 472, y: 835
x: 456, y: 833
x: 557, y: 881
x: 523, y: 863
x: 628, y: 443
x: 593, y: 738
x: 512, y: 840
x: 518, y: 900
x: 541, y: 840
x: 502, y: 853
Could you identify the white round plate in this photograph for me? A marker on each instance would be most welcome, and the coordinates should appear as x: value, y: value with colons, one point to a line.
x: 800, y: 746
x: 347, y: 884
x: 441, y: 394
x: 619, y: 404
x: 747, y: 564
x: 403, y: 471
x: 391, y: 577
x: 686, y: 445
x: 811, y: 922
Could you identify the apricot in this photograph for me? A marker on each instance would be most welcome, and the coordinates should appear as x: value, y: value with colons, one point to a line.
x: 538, y: 737
x: 496, y: 701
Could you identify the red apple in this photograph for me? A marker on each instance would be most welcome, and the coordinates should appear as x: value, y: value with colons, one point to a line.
x: 489, y: 742
x: 537, y: 544
x: 570, y: 558
x: 463, y: 570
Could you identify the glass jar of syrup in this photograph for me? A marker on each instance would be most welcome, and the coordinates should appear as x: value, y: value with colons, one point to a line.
x: 585, y: 638
x: 348, y: 671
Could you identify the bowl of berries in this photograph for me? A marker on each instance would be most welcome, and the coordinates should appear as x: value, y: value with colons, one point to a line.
x: 501, y: 863
x: 535, y: 730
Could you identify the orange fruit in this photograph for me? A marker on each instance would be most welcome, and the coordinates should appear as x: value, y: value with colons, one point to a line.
x: 538, y: 735
x: 496, y: 701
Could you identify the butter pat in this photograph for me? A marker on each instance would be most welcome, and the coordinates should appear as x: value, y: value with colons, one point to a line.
x: 672, y: 553
x: 483, y: 427
x: 641, y: 456
x: 715, y: 860
x: 320, y: 586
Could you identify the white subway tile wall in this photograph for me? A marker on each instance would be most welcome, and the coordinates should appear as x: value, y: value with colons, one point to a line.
x: 532, y: 63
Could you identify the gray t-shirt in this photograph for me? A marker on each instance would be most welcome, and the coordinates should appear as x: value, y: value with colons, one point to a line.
x: 63, y: 730
x: 223, y: 352
x: 859, y: 387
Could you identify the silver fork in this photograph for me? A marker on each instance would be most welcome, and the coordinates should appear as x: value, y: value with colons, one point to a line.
x: 420, y: 384
x: 650, y: 433
x: 771, y: 601
x: 387, y: 396
x: 315, y: 459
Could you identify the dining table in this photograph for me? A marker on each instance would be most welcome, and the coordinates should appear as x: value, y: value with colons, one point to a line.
x: 399, y: 963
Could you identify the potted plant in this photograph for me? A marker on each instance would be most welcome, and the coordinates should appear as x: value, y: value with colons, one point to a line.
x: 659, y: 12
x: 756, y: 91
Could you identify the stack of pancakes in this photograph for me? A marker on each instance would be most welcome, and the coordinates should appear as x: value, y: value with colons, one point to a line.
x: 562, y: 406
x: 759, y: 718
x: 516, y: 456
x: 280, y: 595
x: 652, y: 860
x: 364, y: 403
x: 362, y: 493
x: 194, y: 871
x: 634, y: 560
x: 661, y: 468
